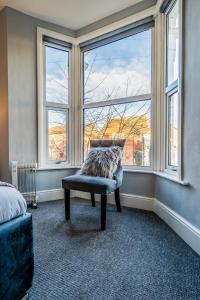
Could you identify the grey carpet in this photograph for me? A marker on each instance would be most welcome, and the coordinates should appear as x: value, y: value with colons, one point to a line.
x: 137, y: 257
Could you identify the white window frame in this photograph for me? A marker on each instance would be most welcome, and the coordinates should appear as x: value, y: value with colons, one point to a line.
x: 175, y: 87
x: 43, y: 106
x: 121, y: 101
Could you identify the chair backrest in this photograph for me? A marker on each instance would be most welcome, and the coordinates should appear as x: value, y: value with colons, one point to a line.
x: 107, y: 143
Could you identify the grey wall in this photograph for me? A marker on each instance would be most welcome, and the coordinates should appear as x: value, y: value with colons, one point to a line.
x: 134, y: 9
x: 138, y: 184
x: 22, y: 82
x: 186, y: 200
x: 18, y: 90
x: 4, y: 147
x: 47, y: 180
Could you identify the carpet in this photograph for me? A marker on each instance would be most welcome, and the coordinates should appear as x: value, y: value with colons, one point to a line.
x: 137, y: 257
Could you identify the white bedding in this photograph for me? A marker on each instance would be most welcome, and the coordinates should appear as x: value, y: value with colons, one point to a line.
x: 12, y: 204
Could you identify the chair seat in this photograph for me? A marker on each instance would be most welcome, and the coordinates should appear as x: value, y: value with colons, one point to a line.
x: 91, y: 184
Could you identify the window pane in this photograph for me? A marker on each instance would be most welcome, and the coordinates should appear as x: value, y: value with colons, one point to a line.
x: 119, y: 69
x: 173, y: 44
x: 129, y: 121
x: 57, y: 135
x: 173, y: 130
x: 56, y: 75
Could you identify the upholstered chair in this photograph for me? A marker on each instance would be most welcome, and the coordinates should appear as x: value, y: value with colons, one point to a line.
x: 96, y: 185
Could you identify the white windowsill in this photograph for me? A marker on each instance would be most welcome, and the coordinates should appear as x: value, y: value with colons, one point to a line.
x: 51, y: 168
x: 171, y: 177
x: 129, y: 170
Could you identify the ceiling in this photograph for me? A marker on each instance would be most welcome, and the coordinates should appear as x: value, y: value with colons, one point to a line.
x: 73, y: 14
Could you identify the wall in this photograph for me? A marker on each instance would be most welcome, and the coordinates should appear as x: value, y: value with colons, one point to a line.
x: 134, y: 9
x: 4, y: 147
x: 48, y: 180
x: 138, y: 184
x: 22, y: 82
x: 186, y: 200
x: 18, y: 93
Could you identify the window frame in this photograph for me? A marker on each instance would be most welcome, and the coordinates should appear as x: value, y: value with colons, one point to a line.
x: 170, y: 94
x: 174, y: 87
x: 54, y: 106
x: 44, y: 106
x: 116, y: 101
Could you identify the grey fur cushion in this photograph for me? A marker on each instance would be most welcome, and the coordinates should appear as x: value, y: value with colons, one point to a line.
x: 102, y: 162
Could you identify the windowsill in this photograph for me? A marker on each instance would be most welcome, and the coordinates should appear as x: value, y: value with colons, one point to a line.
x: 171, y: 178
x: 160, y: 174
x: 51, y: 168
x: 126, y: 170
x: 129, y: 170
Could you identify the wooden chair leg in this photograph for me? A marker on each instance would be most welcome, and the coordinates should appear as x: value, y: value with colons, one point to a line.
x: 67, y: 204
x: 103, y: 211
x: 93, y: 200
x: 117, y: 200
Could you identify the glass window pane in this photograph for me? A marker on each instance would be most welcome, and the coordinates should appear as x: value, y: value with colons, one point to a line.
x: 57, y: 61
x: 173, y: 130
x: 57, y: 135
x: 173, y: 43
x: 129, y: 121
x: 119, y: 69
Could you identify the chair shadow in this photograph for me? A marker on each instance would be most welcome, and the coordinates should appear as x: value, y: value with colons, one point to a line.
x: 74, y: 230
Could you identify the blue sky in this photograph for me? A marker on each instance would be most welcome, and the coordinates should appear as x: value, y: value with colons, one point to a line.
x: 121, y: 68
x: 56, y: 75
x: 116, y: 70
x: 110, y: 67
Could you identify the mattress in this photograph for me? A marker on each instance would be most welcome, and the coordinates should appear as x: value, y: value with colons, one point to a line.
x: 12, y: 203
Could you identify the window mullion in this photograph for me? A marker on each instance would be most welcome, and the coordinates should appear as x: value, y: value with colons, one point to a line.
x: 118, y: 101
x: 56, y: 105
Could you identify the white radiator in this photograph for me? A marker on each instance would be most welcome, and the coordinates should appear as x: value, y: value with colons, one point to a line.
x: 24, y: 178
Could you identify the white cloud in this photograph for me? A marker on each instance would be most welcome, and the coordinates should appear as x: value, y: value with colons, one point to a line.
x: 122, y: 80
x: 57, y: 89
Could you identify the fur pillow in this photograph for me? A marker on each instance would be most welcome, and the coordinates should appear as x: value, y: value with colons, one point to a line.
x: 102, y: 161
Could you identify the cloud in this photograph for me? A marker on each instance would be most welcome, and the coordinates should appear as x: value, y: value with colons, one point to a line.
x: 118, y: 81
x: 56, y: 89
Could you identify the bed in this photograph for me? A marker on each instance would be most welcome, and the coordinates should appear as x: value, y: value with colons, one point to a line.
x: 16, y: 244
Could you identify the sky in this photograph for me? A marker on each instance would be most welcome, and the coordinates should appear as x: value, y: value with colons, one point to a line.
x: 115, y: 70
x: 57, y: 62
x: 119, y: 69
x: 173, y: 44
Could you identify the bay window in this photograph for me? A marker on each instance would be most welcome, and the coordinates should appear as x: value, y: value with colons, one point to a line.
x: 112, y: 95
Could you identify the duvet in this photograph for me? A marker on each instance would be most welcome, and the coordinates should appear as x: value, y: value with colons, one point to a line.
x: 12, y: 203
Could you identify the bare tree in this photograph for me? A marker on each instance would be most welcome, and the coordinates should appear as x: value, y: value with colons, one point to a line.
x: 110, y: 121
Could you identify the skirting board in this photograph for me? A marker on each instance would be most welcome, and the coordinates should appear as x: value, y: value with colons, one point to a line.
x: 189, y: 233
x: 127, y: 200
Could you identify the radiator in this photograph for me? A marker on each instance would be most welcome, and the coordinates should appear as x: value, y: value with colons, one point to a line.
x: 24, y: 178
